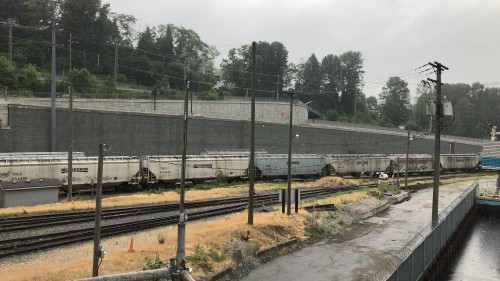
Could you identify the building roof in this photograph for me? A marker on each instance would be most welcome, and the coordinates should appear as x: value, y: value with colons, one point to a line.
x: 30, y: 184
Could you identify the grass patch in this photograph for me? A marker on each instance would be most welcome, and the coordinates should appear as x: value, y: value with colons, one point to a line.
x: 388, y: 188
x: 206, y: 257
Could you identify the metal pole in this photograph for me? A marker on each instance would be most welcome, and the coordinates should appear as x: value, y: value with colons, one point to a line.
x: 251, y: 168
x: 355, y: 98
x: 97, y: 230
x: 116, y: 62
x: 53, y: 90
x: 289, y: 187
x: 398, y: 173
x: 407, y: 152
x: 10, y: 40
x: 181, y: 233
x: 70, y: 147
x: 70, y: 52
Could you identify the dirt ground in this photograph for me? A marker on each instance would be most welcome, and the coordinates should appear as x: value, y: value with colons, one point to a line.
x: 206, y: 241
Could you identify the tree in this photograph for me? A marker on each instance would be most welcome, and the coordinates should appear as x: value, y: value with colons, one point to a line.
x: 8, y: 76
x: 271, y: 65
x: 395, y: 101
x: 311, y: 75
x: 332, y: 80
x: 147, y: 42
x: 81, y: 79
x: 166, y: 42
x: 371, y: 103
x: 352, y: 77
x: 30, y: 78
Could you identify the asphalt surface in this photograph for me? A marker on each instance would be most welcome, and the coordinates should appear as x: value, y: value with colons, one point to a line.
x: 365, y: 247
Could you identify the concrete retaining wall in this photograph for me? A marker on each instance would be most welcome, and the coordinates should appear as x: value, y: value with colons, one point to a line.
x: 130, y: 133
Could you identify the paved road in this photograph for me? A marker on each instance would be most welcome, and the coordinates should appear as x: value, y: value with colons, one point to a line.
x: 359, y: 252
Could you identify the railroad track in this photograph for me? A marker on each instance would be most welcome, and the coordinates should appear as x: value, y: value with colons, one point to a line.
x: 29, y: 244
x: 11, y: 224
x: 47, y: 241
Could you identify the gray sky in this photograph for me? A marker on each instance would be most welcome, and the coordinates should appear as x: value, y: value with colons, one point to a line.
x: 395, y: 36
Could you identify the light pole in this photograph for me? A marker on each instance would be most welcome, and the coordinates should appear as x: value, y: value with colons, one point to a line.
x: 310, y: 109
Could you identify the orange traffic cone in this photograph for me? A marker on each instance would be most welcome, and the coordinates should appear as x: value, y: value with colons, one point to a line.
x: 131, y: 247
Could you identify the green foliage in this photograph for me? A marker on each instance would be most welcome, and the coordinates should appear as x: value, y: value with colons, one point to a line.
x: 153, y: 264
x: 395, y: 101
x: 331, y: 115
x: 270, y: 58
x: 8, y: 76
x: 220, y: 177
x: 81, y: 79
x: 210, y: 95
x: 30, y: 78
x: 314, y: 229
x: 389, y: 188
x: 206, y: 257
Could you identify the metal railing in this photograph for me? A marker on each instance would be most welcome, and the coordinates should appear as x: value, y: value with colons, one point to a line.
x: 367, y: 127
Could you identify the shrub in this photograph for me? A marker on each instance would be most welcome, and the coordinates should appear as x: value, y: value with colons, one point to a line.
x: 161, y: 238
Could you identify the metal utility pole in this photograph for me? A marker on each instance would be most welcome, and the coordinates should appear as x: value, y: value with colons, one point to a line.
x: 407, y: 152
x: 53, y: 90
x: 181, y: 228
x: 70, y: 147
x: 437, y: 144
x: 98, y: 205
x: 251, y: 168
x: 289, y: 186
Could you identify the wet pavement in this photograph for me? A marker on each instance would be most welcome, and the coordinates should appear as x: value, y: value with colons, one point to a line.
x: 362, y: 249
x: 479, y: 256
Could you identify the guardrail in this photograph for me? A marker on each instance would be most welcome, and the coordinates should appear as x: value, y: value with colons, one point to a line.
x: 411, y: 262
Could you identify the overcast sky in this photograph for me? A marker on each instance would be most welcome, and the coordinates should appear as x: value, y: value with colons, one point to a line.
x: 395, y: 36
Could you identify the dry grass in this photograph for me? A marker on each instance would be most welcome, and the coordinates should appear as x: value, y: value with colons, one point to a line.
x: 340, y: 199
x: 149, y: 198
x: 76, y: 262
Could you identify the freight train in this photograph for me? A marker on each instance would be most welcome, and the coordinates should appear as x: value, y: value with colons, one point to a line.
x: 122, y: 172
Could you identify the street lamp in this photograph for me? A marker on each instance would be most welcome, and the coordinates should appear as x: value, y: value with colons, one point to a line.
x: 310, y: 109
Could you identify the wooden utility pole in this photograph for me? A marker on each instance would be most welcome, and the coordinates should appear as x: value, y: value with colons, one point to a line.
x: 70, y: 147
x: 115, y: 73
x: 181, y: 227
x: 10, y: 22
x: 53, y: 90
x: 251, y: 168
x: 437, y: 143
x: 289, y: 183
x: 70, y: 51
x: 98, y: 205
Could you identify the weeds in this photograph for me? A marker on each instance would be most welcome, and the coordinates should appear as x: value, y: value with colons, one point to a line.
x: 161, y: 238
x: 150, y: 264
x: 314, y: 229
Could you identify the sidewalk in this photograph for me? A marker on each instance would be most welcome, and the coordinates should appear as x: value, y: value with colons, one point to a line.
x: 360, y: 251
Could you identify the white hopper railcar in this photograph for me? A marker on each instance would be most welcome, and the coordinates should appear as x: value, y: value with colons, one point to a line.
x: 167, y: 169
x: 117, y: 171
x: 359, y: 164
